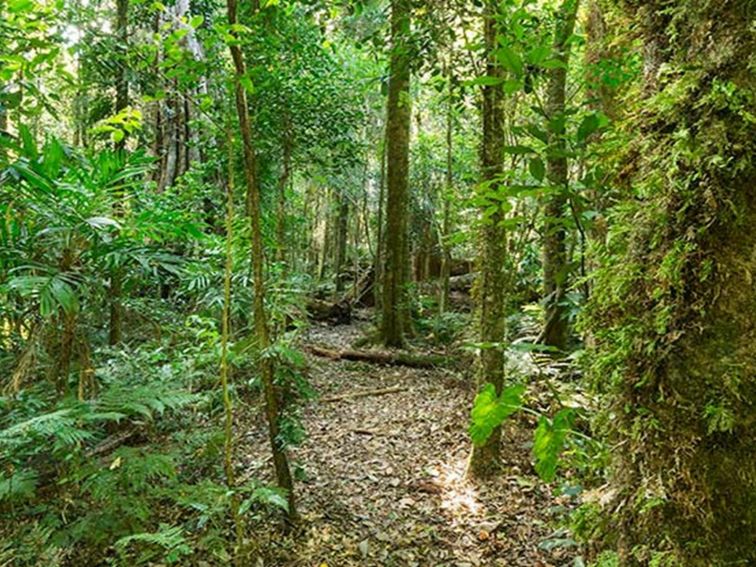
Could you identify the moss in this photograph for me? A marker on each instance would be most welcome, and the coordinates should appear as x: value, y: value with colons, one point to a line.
x: 675, y: 300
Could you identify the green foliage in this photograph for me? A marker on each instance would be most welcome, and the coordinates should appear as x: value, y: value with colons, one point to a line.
x: 490, y: 410
x: 661, y: 324
x: 170, y: 543
x: 549, y: 441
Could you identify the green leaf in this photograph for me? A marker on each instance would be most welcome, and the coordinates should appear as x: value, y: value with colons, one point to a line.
x: 549, y: 441
x: 519, y: 150
x: 490, y: 410
x: 538, y: 54
x: 587, y: 127
x: 553, y: 63
x: 30, y: 146
x: 102, y: 222
x: 246, y: 82
x: 274, y: 497
x: 17, y: 6
x: 196, y: 21
x: 538, y: 133
x: 509, y: 59
x: 511, y: 86
x: 18, y: 485
x: 536, y: 168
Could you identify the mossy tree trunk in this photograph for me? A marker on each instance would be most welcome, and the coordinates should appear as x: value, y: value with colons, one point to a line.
x: 397, y: 168
x: 380, y: 233
x: 555, y: 266
x: 674, y: 301
x: 490, y: 287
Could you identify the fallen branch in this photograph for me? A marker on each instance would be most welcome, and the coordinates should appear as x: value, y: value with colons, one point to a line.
x: 373, y: 432
x: 381, y: 357
x: 364, y: 394
x: 112, y: 442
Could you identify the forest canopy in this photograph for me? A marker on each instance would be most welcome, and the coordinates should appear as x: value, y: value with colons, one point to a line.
x: 377, y: 282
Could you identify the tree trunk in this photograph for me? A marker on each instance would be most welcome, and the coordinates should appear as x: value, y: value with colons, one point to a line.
x: 484, y: 459
x: 341, y: 240
x: 170, y: 144
x: 600, y: 97
x: 115, y: 328
x: 284, y: 478
x: 326, y: 250
x: 443, y: 302
x: 675, y: 335
x: 283, y: 181
x: 380, y: 234
x: 555, y: 266
x: 224, y: 368
x: 398, y: 132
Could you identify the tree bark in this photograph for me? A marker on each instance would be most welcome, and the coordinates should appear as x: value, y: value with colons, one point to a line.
x: 387, y: 358
x: 491, y: 297
x: 398, y: 132
x: 224, y: 368
x: 380, y: 234
x: 115, y: 329
x: 170, y: 144
x: 675, y: 334
x: 326, y: 250
x: 284, y: 478
x: 341, y: 239
x: 443, y: 303
x: 555, y: 266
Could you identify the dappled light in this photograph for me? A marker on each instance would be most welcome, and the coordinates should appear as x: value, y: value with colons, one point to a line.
x: 377, y: 283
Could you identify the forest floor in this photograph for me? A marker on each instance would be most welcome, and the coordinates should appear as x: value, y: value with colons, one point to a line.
x: 383, y: 480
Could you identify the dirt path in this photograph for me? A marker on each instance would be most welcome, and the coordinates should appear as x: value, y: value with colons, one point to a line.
x: 384, y: 476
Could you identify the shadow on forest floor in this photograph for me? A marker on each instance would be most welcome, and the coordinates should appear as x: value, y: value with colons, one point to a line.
x: 384, y: 477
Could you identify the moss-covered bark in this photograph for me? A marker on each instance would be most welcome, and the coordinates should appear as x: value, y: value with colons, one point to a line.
x: 490, y: 292
x: 675, y: 301
x: 397, y: 168
x: 554, y: 233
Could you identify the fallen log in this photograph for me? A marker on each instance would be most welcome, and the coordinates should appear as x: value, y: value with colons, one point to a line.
x: 338, y: 312
x: 381, y: 357
x: 364, y: 394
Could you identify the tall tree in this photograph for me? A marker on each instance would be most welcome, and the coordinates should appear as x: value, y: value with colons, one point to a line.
x: 555, y: 266
x: 491, y: 281
x: 342, y: 224
x: 262, y: 333
x: 121, y: 103
x: 396, y: 269
x: 674, y: 300
x: 443, y: 302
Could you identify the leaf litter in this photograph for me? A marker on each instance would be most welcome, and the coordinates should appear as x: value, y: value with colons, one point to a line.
x: 382, y: 478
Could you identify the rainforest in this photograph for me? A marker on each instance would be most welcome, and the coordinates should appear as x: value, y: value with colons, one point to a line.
x: 423, y: 283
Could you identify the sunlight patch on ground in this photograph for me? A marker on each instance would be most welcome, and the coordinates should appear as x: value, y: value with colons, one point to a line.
x: 459, y: 496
